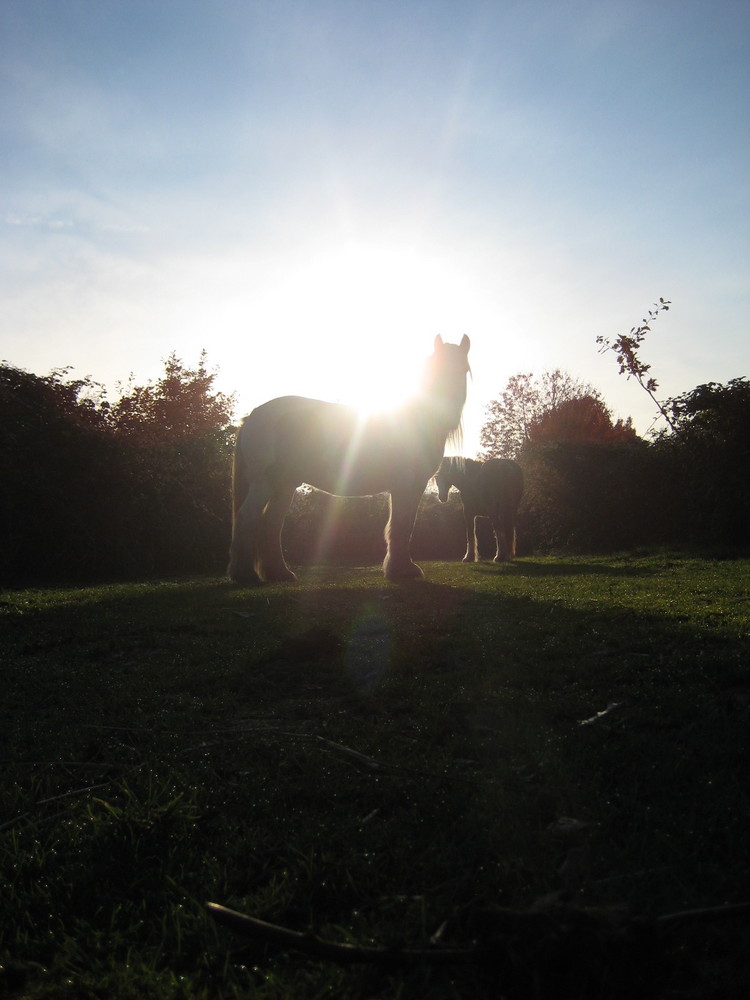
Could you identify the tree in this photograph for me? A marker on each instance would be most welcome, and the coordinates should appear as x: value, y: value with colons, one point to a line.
x: 181, y: 405
x: 586, y: 495
x: 125, y: 489
x: 523, y: 403
x: 583, y: 419
x: 705, y: 462
x: 716, y: 412
x: 701, y: 487
x: 55, y: 453
x: 581, y: 468
x: 179, y: 440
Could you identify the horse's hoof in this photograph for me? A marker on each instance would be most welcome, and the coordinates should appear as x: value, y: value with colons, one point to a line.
x: 409, y: 571
x: 279, y: 576
x: 244, y: 578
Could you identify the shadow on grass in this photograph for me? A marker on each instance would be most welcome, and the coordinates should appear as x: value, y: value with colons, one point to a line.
x: 382, y: 758
x: 528, y: 567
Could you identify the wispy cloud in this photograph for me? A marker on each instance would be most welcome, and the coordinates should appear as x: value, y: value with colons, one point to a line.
x: 36, y: 222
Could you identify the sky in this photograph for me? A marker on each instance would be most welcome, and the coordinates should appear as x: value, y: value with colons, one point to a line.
x: 312, y: 190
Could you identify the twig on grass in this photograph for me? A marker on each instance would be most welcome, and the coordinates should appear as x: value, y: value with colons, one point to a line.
x: 56, y: 763
x: 360, y: 758
x: 502, y: 923
x: 730, y: 911
x: 74, y: 791
x: 343, y: 954
x: 55, y: 798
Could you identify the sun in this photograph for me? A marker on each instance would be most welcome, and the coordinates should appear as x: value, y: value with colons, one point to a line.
x: 348, y: 320
x: 370, y: 313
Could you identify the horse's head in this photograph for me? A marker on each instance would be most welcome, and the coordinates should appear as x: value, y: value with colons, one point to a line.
x: 452, y: 357
x: 443, y: 481
x: 450, y: 473
x: 444, y: 382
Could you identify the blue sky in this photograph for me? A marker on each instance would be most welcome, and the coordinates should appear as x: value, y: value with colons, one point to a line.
x: 312, y: 190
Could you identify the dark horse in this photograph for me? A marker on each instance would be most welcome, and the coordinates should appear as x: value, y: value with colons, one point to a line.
x: 294, y: 440
x: 488, y: 489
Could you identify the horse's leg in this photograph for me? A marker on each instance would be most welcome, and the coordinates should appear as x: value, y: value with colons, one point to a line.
x: 270, y: 563
x: 501, y: 542
x: 243, y: 550
x: 505, y: 532
x: 403, y: 513
x: 472, y: 550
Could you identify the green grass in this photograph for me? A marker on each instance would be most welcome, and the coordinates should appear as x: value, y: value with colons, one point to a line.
x: 371, y: 762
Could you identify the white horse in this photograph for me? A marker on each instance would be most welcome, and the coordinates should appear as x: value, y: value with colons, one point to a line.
x: 488, y: 489
x: 294, y: 440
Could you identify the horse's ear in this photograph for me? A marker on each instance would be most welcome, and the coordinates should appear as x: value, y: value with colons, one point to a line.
x: 465, y: 344
x: 438, y: 343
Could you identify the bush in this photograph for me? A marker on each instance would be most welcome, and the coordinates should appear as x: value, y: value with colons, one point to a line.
x: 94, y: 490
x: 705, y: 465
x: 585, y: 496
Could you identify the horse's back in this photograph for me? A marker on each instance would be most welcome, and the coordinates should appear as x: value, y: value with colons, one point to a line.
x: 285, y: 432
x: 290, y: 408
x: 501, y: 481
x: 296, y: 439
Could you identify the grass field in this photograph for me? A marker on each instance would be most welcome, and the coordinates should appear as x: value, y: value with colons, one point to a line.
x: 381, y: 765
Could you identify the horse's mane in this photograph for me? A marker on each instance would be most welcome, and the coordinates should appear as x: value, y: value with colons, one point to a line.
x: 461, y: 463
x: 456, y: 437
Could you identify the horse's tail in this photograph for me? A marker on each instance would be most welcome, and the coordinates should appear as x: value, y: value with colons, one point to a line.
x: 505, y: 515
x: 507, y: 486
x: 250, y: 495
x: 513, y: 492
x: 240, y: 480
x: 510, y: 535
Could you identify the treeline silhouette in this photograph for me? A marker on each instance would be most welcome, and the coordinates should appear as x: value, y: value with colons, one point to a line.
x: 689, y: 486
x: 93, y: 490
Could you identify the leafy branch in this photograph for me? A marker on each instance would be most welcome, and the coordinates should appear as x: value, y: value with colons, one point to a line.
x: 626, y: 348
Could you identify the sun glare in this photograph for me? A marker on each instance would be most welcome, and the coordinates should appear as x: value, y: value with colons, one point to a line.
x: 358, y: 320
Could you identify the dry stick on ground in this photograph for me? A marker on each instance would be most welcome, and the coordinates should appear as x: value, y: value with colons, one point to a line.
x: 506, y: 921
x: 343, y: 954
x: 55, y: 798
x: 359, y: 758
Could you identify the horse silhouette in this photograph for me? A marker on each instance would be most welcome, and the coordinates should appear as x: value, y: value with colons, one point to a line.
x: 488, y: 489
x: 293, y: 440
